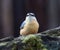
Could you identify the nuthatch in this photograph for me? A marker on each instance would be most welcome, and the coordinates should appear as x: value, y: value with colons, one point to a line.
x: 30, y: 25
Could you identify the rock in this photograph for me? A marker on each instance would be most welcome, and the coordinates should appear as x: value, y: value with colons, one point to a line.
x: 50, y: 38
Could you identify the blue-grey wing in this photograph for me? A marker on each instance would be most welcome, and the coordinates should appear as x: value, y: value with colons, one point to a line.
x: 22, y: 25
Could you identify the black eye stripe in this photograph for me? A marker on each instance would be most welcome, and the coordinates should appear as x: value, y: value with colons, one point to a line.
x: 27, y: 15
x: 30, y: 15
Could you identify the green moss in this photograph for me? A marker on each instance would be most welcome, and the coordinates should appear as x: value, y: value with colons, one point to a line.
x: 33, y: 42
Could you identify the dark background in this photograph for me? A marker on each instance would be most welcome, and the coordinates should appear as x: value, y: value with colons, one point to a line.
x: 47, y: 13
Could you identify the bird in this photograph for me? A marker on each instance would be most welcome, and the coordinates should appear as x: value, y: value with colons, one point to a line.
x: 30, y: 25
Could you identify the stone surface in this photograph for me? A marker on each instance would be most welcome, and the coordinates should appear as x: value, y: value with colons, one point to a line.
x: 51, y: 38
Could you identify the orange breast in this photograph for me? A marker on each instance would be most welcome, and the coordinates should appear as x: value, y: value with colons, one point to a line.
x: 30, y: 28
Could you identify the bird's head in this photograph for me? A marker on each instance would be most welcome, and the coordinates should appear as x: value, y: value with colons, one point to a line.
x: 30, y: 14
x: 30, y: 17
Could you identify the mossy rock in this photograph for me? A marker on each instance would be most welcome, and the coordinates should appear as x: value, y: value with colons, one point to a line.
x: 47, y: 40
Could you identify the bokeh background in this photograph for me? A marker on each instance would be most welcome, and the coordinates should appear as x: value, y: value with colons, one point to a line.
x: 13, y: 12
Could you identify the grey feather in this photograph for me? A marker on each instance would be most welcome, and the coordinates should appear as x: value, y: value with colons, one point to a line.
x: 22, y: 25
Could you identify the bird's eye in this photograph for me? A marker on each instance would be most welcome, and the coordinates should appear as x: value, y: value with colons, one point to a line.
x: 32, y: 15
